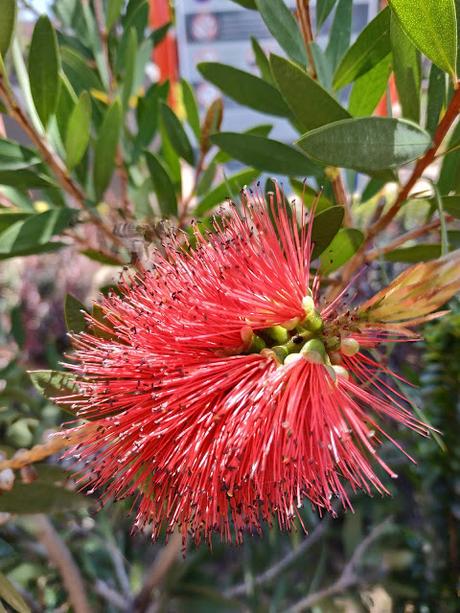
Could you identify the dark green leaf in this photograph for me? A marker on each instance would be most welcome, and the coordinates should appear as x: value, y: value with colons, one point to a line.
x: 261, y: 60
x: 451, y: 205
x: 226, y: 189
x: 340, y: 34
x: 261, y: 130
x: 32, y: 498
x: 129, y: 67
x: 449, y: 178
x: 325, y: 226
x: 206, y: 179
x: 24, y: 178
x: 281, y: 23
x: 245, y: 88
x: 368, y: 90
x: 162, y: 184
x: 368, y: 144
x: 311, y: 105
x: 78, y: 131
x: 191, y: 108
x: 34, y: 231
x: 65, y: 106
x: 432, y: 27
x: 102, y: 258
x: 9, y: 594
x: 106, y: 148
x: 7, y: 25
x: 323, y: 10
x: 14, y: 156
x: 54, y: 385
x: 8, y: 219
x: 74, y: 314
x: 247, y: 4
x: 147, y: 113
x: 371, y: 46
x: 265, y: 154
x: 159, y: 34
x: 309, y: 196
x: 80, y: 74
x: 177, y: 136
x: 44, y: 65
x: 407, y: 69
x: 46, y: 248
x: 417, y: 253
x: 436, y: 98
x: 342, y: 247
x: 113, y: 13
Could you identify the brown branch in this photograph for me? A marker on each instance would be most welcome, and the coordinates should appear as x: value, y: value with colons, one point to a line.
x: 381, y: 224
x: 348, y: 578
x: 61, y: 557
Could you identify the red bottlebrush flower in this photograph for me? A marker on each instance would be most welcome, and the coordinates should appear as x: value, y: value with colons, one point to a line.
x: 222, y: 394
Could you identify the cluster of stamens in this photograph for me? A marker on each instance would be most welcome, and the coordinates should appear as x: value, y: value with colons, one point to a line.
x: 309, y: 339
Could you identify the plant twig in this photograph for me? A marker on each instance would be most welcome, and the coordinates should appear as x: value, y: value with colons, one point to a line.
x: 110, y: 595
x: 56, y: 442
x: 157, y: 572
x: 304, y: 19
x: 274, y: 571
x: 61, y: 557
x: 381, y: 224
x: 348, y: 578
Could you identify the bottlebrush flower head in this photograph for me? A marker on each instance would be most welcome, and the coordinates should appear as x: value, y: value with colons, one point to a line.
x: 224, y: 392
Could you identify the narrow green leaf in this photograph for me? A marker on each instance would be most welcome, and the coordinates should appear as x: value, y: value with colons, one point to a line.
x: 245, y: 88
x: 162, y: 184
x: 371, y: 46
x: 311, y: 105
x: 265, y: 154
x: 369, y: 89
x: 78, y: 131
x: 407, y: 69
x: 106, y: 148
x: 80, y: 74
x: 44, y: 65
x: 8, y: 219
x: 10, y: 595
x: 36, y: 497
x: 340, y: 34
x: 325, y: 226
x: 342, y: 247
x: 191, y: 108
x: 74, y: 314
x: 417, y: 253
x: 436, y: 98
x: 113, y: 13
x: 7, y: 24
x: 263, y: 129
x: 38, y: 249
x: 232, y: 184
x: 451, y: 206
x: 177, y: 136
x: 309, y: 196
x: 432, y: 27
x: 449, y: 177
x: 54, y: 385
x: 24, y: 178
x: 323, y: 10
x: 65, y: 106
x: 367, y: 144
x: 261, y: 60
x: 129, y: 67
x: 102, y: 258
x: 35, y: 231
x: 15, y: 157
x: 247, y: 4
x: 281, y: 23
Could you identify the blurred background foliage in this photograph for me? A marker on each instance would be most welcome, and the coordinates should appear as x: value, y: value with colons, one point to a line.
x: 100, y: 162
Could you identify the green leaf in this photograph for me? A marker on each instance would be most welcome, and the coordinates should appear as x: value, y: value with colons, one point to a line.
x: 106, y: 148
x: 162, y: 184
x: 191, y: 108
x: 323, y: 10
x: 432, y: 27
x: 35, y: 231
x: 54, y: 385
x: 8, y: 219
x: 44, y: 65
x: 367, y: 144
x: 449, y: 177
x: 342, y: 247
x: 15, y: 157
x: 436, y: 98
x: 245, y: 88
x: 340, y: 34
x: 8, y: 593
x: 225, y: 190
x: 102, y: 258
x: 177, y: 136
x: 263, y: 129
x: 309, y: 196
x: 371, y: 46
x: 23, y: 178
x: 451, y: 205
x: 325, y: 226
x: 113, y: 13
x: 78, y: 131
x: 310, y: 104
x: 36, y: 497
x: 261, y: 60
x: 7, y: 25
x: 265, y: 154
x: 79, y: 73
x: 247, y: 4
x: 129, y: 67
x: 65, y: 106
x: 46, y: 248
x: 407, y: 69
x: 283, y: 27
x: 368, y: 90
x: 74, y: 314
x: 417, y: 253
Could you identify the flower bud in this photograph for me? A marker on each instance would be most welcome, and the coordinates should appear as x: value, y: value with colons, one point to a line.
x: 349, y: 346
x: 314, y: 351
